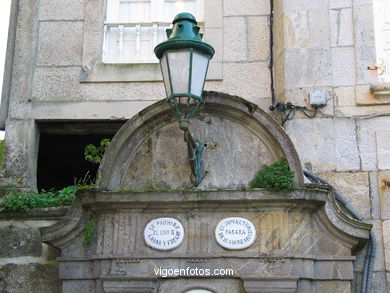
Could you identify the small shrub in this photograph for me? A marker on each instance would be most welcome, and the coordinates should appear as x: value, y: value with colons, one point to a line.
x: 88, y: 232
x: 22, y: 202
x: 93, y: 153
x: 275, y: 177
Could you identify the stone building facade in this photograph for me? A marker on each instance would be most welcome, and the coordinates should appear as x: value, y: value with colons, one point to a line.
x: 56, y: 84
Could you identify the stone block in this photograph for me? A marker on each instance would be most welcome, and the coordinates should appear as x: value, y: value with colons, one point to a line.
x: 376, y: 200
x: 296, y: 33
x: 364, y: 26
x: 354, y: 187
x: 56, y: 84
x: 61, y: 10
x: 247, y: 80
x: 378, y: 283
x: 341, y: 27
x: 92, y: 52
x: 334, y: 4
x: 317, y: 150
x: 299, y: 5
x: 307, y: 67
x: 343, y: 66
x: 384, y: 193
x: 19, y: 241
x: 60, y: 43
x: 379, y: 262
x: 347, y: 152
x: 214, y: 37
x: 258, y: 38
x: 20, y: 152
x: 245, y: 7
x: 332, y: 286
x: 300, y: 96
x: 386, y: 243
x: 357, y: 3
x: 29, y: 278
x: 383, y: 149
x: 345, y: 96
x: 365, y: 56
x: 319, y: 28
x: 213, y: 14
x: 73, y: 286
x: 235, y: 39
x: 113, y: 110
x: 365, y: 97
x: 367, y: 142
x: 24, y: 54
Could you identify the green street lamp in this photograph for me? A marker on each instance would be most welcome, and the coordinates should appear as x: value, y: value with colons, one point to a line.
x: 184, y: 60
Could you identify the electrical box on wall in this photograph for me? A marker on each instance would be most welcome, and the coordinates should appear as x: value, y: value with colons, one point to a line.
x: 318, y: 98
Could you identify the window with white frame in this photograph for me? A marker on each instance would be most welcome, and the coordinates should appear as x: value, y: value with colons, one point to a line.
x: 134, y: 27
x: 382, y: 38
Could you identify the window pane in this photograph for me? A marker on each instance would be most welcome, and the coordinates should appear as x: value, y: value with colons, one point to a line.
x: 134, y: 11
x: 199, y: 70
x: 173, y: 7
x: 179, y: 66
x: 129, y: 44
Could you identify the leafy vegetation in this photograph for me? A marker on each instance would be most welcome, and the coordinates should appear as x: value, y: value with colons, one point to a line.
x: 22, y: 202
x: 88, y: 232
x: 94, y: 153
x: 275, y: 177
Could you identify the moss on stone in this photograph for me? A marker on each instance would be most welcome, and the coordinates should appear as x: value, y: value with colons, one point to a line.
x: 275, y: 177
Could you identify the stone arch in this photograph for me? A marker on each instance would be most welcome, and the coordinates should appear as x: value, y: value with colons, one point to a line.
x: 240, y: 138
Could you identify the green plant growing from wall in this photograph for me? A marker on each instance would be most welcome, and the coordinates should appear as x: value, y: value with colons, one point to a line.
x: 88, y: 232
x: 274, y: 177
x: 22, y: 202
x: 94, y: 153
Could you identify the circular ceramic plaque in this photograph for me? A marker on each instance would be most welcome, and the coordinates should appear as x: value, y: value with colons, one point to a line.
x: 235, y: 233
x: 164, y: 233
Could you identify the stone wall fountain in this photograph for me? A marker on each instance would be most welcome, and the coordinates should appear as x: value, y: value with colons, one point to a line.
x: 148, y: 216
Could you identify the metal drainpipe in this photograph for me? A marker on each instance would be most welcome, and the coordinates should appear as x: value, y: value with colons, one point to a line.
x: 371, y: 248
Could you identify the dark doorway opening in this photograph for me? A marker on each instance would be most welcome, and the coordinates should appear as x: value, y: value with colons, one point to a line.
x: 61, y: 159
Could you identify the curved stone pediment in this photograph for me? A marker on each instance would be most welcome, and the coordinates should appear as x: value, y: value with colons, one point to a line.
x: 149, y: 150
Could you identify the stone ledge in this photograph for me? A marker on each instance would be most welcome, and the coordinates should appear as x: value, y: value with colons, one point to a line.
x: 135, y: 72
x: 36, y: 214
x: 367, y: 95
x: 381, y: 90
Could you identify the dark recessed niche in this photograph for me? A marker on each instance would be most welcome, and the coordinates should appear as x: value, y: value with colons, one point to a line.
x: 61, y: 159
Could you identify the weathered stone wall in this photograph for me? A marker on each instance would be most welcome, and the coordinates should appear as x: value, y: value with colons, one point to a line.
x: 27, y: 264
x: 336, y: 42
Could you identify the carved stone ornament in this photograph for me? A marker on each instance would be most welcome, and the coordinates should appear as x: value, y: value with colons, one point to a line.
x: 164, y: 234
x: 235, y: 233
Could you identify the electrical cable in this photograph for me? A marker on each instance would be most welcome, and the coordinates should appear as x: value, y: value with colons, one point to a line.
x: 362, y: 117
x: 371, y: 246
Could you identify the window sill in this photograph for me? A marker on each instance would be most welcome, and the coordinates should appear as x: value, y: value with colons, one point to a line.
x: 381, y: 91
x: 372, y: 95
x: 105, y: 72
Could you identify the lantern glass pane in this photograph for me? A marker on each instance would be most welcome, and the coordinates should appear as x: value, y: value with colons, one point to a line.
x: 179, y: 67
x: 165, y: 73
x: 199, y: 70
